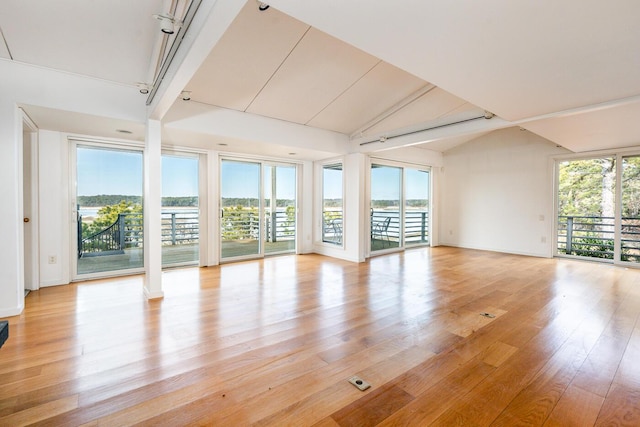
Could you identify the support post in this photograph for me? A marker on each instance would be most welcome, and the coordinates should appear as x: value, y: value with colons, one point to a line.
x: 173, y: 228
x: 121, y: 232
x: 569, y: 245
x: 153, y: 211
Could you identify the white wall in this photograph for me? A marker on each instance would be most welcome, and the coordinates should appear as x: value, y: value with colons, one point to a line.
x: 54, y: 207
x: 497, y: 194
x: 26, y: 84
x: 11, y: 226
x: 305, y: 208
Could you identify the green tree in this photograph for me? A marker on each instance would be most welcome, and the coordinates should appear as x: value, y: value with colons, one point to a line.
x: 239, y: 223
x: 108, y: 215
x: 586, y: 187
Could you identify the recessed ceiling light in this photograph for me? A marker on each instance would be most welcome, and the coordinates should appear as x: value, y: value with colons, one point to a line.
x: 222, y: 144
x: 124, y: 131
x: 292, y: 154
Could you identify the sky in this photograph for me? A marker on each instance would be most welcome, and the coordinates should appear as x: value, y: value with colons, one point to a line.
x: 386, y: 181
x: 102, y: 171
x: 242, y: 179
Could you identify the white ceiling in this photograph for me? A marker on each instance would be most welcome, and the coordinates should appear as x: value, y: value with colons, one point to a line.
x: 270, y: 64
x: 568, y: 71
x: 524, y: 60
x: 111, y: 40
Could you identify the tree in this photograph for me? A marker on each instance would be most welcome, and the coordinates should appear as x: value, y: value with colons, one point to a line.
x: 109, y: 215
x: 586, y: 187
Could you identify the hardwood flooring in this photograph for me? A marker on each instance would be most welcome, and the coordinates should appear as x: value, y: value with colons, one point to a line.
x: 273, y: 343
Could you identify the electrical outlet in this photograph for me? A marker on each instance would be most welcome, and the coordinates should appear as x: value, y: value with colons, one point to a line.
x: 53, y: 259
x: 361, y: 384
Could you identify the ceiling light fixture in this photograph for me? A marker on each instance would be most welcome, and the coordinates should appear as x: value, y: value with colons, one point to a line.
x: 185, y: 95
x: 488, y: 115
x: 168, y: 23
x: 262, y: 6
x: 143, y: 88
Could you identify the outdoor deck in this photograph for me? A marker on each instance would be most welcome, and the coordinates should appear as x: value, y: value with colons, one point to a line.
x: 171, y: 255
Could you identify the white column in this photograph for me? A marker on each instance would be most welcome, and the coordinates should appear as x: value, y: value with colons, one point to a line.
x: 11, y: 226
x: 152, y: 211
x: 355, y: 207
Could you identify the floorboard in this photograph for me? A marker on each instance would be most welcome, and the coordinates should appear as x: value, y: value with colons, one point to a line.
x: 273, y: 342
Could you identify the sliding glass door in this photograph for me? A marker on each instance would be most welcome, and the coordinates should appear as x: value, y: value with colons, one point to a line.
x: 180, y: 212
x: 109, y: 201
x: 399, y: 207
x: 386, y: 190
x: 416, y: 207
x: 258, y: 209
x: 598, y: 202
x: 240, y: 209
x: 586, y: 207
x: 279, y: 208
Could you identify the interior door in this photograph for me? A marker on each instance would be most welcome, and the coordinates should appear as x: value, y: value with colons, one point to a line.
x: 240, y: 209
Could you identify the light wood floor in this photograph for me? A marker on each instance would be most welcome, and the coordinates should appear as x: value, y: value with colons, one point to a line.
x: 273, y: 342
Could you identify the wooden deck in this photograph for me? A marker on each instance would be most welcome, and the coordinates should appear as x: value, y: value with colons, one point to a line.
x: 273, y: 342
x: 171, y: 255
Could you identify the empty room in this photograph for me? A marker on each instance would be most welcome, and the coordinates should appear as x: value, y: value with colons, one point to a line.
x: 230, y: 212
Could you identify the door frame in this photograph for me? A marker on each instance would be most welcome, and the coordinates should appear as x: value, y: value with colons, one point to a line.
x: 32, y: 247
x: 402, y: 202
x: 618, y: 155
x: 263, y: 162
x: 74, y: 142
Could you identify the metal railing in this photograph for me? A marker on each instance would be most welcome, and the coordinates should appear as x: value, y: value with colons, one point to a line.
x: 179, y: 227
x: 416, y: 225
x: 243, y: 224
x: 332, y: 226
x: 594, y: 237
x: 280, y: 225
x: 590, y: 236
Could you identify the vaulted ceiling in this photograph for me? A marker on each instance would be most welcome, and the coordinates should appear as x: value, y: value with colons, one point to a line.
x: 270, y: 64
x: 420, y: 73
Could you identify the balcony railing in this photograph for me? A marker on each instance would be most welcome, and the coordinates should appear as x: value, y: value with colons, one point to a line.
x: 244, y: 224
x: 416, y: 225
x: 593, y: 236
x: 181, y: 227
x: 178, y: 228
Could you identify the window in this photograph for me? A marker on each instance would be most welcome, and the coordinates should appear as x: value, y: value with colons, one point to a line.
x: 332, y: 204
